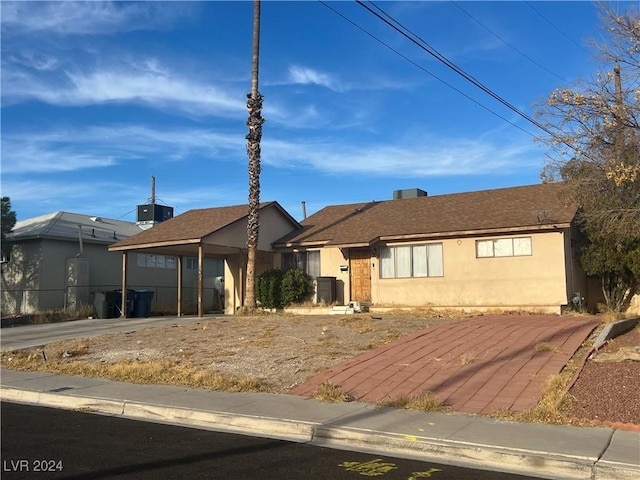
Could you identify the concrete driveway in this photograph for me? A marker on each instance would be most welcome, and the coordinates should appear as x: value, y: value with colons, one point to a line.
x: 14, y: 338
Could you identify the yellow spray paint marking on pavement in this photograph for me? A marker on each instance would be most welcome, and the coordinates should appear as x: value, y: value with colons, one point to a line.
x: 377, y: 467
x: 426, y: 474
x: 374, y: 468
x: 411, y: 438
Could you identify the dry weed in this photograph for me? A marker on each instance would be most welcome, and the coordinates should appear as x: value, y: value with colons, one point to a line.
x: 467, y: 359
x: 426, y: 402
x: 555, y: 398
x: 546, y: 347
x: 328, y: 392
x: 151, y: 372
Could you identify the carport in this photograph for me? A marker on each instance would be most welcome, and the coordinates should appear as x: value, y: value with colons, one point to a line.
x: 212, y: 232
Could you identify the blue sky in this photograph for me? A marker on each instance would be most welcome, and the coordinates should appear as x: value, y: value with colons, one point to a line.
x: 99, y: 96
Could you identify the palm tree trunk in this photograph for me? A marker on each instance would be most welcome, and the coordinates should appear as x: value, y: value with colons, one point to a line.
x: 255, y: 121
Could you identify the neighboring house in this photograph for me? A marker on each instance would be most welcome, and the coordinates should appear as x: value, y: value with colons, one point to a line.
x: 61, y: 260
x: 510, y: 248
x: 57, y: 260
x: 210, y: 234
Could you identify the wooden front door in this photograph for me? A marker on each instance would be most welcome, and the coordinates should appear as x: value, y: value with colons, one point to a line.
x: 360, y: 274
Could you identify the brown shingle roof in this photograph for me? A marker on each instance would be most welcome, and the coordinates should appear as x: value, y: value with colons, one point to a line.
x: 190, y: 226
x: 533, y: 206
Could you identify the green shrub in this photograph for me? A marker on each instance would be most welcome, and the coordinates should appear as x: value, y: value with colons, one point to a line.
x: 296, y: 286
x: 269, y: 288
x: 279, y: 288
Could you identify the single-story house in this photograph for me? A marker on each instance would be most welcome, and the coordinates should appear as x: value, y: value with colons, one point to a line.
x: 503, y: 249
x: 205, y: 234
x: 509, y: 248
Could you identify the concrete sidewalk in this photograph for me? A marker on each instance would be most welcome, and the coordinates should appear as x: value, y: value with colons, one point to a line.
x: 545, y: 451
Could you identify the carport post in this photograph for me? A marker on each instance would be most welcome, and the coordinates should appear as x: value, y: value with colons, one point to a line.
x: 179, y: 312
x: 200, y: 279
x: 123, y: 304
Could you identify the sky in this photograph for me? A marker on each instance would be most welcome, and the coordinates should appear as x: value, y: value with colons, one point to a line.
x: 98, y: 97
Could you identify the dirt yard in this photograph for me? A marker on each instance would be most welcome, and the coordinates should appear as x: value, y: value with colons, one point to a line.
x: 284, y: 351
x: 281, y: 351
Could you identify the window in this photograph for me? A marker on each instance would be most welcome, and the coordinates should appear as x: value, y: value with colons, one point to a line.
x: 411, y: 261
x: 504, y: 247
x: 213, y: 267
x: 191, y: 263
x: 147, y: 260
x: 308, y: 262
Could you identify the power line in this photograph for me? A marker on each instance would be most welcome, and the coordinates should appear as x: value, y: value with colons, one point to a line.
x: 558, y: 29
x: 425, y: 70
x: 422, y: 44
x: 507, y: 43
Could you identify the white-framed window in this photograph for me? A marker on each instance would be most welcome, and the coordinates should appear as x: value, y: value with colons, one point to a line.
x: 308, y: 262
x: 411, y: 261
x: 504, y: 247
x: 148, y: 260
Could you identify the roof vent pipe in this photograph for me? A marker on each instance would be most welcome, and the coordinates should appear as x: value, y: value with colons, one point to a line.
x: 304, y: 209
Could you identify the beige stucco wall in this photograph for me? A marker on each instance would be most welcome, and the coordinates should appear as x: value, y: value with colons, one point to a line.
x: 235, y: 277
x: 273, y: 226
x: 536, y: 281
x: 634, y: 307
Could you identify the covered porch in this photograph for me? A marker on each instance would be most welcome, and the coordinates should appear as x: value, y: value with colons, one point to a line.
x: 209, y: 233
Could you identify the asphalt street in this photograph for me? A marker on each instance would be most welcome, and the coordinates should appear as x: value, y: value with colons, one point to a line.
x: 46, y: 443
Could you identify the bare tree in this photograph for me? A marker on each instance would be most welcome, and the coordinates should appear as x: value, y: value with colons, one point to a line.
x: 255, y: 121
x: 600, y: 120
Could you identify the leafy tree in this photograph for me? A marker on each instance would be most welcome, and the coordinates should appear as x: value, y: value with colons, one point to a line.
x: 595, y: 148
x: 8, y: 221
x: 254, y: 122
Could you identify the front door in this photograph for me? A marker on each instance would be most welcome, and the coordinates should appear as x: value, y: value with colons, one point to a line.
x: 360, y: 274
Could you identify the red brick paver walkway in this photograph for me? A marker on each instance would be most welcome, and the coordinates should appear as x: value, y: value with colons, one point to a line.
x: 477, y: 365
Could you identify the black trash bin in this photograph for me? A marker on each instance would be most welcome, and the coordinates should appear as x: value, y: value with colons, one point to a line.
x: 142, y: 304
x: 130, y: 300
x: 104, y: 304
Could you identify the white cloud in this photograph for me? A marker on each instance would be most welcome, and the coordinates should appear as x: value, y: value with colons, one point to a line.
x: 150, y: 84
x: 89, y: 18
x: 72, y: 149
x: 35, y: 60
x: 427, y: 159
x: 306, y: 76
x: 85, y: 197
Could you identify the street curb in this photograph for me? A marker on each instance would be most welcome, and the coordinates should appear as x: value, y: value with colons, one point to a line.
x: 443, y: 451
x: 461, y: 453
x: 615, y: 470
x: 296, y: 431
